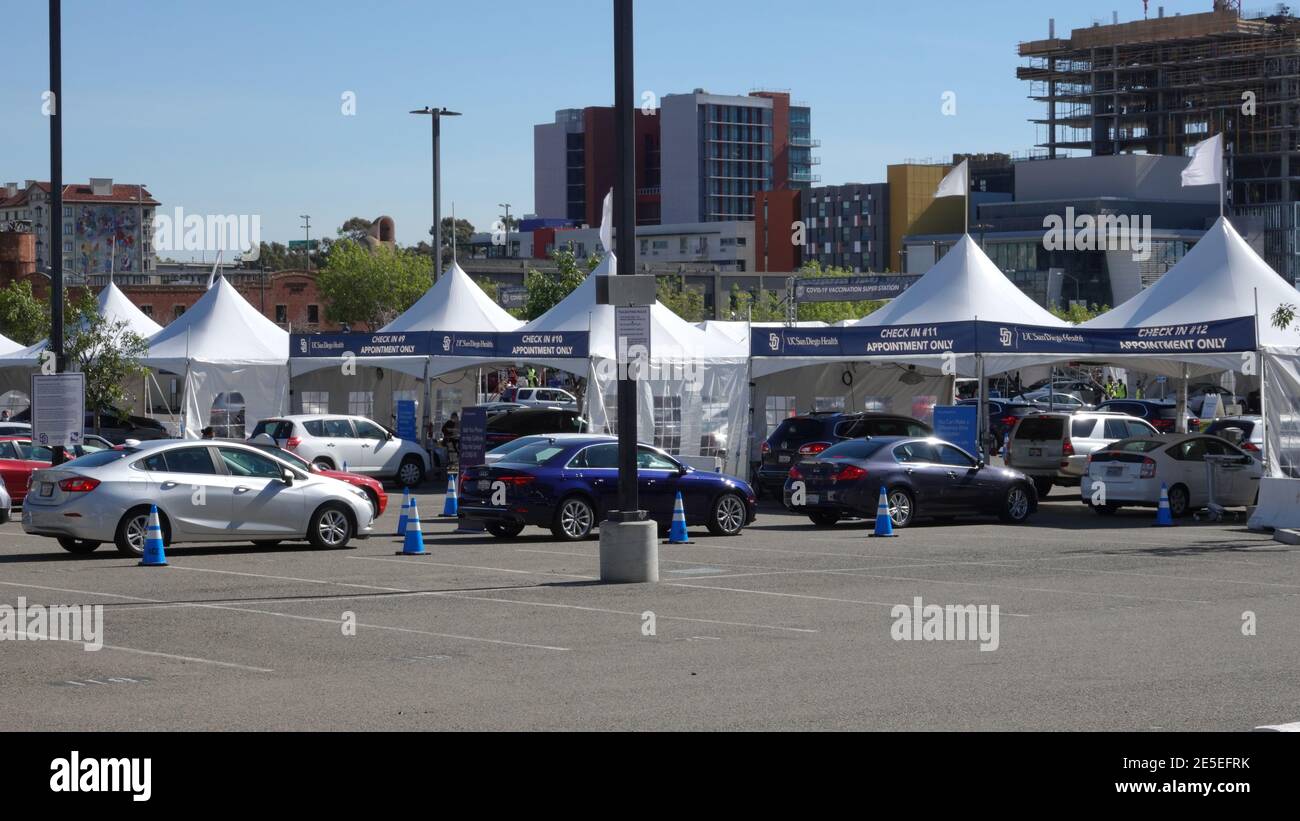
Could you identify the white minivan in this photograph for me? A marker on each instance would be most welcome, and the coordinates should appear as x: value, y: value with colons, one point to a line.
x: 350, y: 443
x: 546, y: 398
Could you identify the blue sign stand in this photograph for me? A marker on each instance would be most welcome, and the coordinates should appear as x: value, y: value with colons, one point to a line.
x: 958, y: 424
x: 406, y: 420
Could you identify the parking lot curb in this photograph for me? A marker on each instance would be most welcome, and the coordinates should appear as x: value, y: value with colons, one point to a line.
x: 1287, y: 536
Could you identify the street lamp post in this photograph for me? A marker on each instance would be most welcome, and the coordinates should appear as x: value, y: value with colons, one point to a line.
x: 306, y: 226
x: 56, y: 198
x: 435, y: 116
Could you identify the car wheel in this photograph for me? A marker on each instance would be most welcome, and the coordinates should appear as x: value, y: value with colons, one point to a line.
x: 78, y: 546
x: 574, y: 519
x: 728, y: 516
x: 330, y: 528
x: 322, y: 463
x: 130, y: 534
x: 824, y: 518
x: 411, y: 472
x: 1016, y: 506
x: 1179, y: 501
x: 902, y: 507
x: 1042, y: 487
x: 505, y: 530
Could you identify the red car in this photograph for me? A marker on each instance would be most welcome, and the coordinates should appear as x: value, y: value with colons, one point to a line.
x: 372, y: 486
x: 19, y: 459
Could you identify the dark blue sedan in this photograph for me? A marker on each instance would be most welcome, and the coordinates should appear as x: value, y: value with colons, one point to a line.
x: 568, y: 485
x: 922, y: 478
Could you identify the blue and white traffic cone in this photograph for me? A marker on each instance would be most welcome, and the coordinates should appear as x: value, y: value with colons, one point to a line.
x: 406, y: 510
x: 1164, y: 517
x: 449, y: 505
x: 884, y: 524
x: 677, y: 531
x: 153, y: 541
x: 413, y: 545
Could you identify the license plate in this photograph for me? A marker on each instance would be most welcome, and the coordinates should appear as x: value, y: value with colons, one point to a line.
x: 47, y: 488
x: 814, y: 498
x: 484, y: 485
x: 1115, y: 471
x: 783, y: 459
x: 1035, y: 451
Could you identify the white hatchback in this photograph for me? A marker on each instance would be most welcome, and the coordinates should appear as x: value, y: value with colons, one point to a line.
x: 1132, y: 471
x: 353, y: 444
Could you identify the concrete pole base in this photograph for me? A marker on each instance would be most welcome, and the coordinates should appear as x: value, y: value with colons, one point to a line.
x: 629, y: 552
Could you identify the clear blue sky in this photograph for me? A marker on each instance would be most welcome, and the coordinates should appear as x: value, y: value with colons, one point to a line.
x: 234, y: 106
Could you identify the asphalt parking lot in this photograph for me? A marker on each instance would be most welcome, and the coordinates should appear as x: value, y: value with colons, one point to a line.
x: 1105, y: 624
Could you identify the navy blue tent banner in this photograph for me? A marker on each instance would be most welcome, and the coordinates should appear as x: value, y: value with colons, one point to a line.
x: 1219, y: 336
x: 485, y: 345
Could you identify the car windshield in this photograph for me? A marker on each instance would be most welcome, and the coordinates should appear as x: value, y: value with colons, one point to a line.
x: 854, y: 449
x: 538, y: 453
x: 100, y: 458
x: 511, y: 447
x: 799, y: 429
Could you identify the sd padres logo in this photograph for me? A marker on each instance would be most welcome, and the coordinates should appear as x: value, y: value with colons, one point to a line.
x: 1004, y: 336
x: 774, y: 342
x: 302, y: 345
x: 446, y: 343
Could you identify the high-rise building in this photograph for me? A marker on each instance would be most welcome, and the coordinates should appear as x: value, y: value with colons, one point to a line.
x: 573, y: 165
x: 107, y: 228
x: 1160, y: 85
x: 700, y: 158
x: 847, y: 226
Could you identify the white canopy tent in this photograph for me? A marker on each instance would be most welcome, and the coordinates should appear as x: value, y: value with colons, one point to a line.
x: 693, y: 402
x: 454, y: 304
x: 232, y: 358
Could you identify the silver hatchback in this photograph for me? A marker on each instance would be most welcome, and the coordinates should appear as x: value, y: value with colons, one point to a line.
x: 205, y: 492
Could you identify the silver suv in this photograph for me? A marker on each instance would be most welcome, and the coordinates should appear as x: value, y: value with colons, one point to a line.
x: 349, y: 443
x: 1053, y: 448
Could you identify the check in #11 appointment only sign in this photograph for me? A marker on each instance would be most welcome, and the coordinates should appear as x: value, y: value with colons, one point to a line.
x: 58, y: 409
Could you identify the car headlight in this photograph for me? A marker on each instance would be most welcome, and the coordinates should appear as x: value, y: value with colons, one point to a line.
x: 356, y: 491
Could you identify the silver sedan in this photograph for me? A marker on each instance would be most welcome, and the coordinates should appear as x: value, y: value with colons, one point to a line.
x: 205, y: 492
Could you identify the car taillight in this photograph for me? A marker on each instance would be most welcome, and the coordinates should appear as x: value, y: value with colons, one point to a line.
x: 1250, y: 446
x: 1193, y: 423
x: 1008, y: 421
x: 795, y: 474
x: 1067, y: 448
x: 813, y: 448
x: 765, y: 449
x: 1148, y: 468
x: 292, y: 443
x: 1163, y: 424
x: 78, y: 484
x: 850, y: 473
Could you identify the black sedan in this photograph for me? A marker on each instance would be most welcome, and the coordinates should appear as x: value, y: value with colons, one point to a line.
x: 922, y: 477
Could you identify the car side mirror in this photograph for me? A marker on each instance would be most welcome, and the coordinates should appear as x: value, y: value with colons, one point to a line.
x: 980, y: 465
x: 682, y: 470
x: 287, y: 477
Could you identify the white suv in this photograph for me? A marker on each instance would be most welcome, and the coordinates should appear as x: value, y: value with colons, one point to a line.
x: 350, y: 443
x: 1053, y: 448
x: 546, y: 398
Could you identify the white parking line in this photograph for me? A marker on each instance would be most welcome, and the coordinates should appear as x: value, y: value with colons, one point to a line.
x: 890, y: 605
x: 284, y: 578
x: 418, y: 561
x: 195, y: 659
x: 1018, y: 588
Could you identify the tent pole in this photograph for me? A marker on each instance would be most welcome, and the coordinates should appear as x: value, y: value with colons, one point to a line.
x: 1260, y: 366
x: 425, y: 416
x: 981, y: 411
x: 1182, y: 403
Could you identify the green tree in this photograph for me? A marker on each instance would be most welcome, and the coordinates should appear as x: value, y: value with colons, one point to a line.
x: 545, y: 291
x: 355, y: 228
x: 23, y: 318
x: 1078, y: 312
x: 681, y: 299
x: 107, y: 352
x: 371, y: 287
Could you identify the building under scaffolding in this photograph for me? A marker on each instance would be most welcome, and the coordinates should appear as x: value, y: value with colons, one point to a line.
x: 1161, y: 85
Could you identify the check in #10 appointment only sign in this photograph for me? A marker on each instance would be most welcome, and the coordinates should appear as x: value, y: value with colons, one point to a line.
x: 58, y: 408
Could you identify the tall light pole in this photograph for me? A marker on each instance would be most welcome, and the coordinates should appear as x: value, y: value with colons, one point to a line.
x: 435, y: 116
x: 506, y: 222
x: 56, y: 197
x: 306, y: 226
